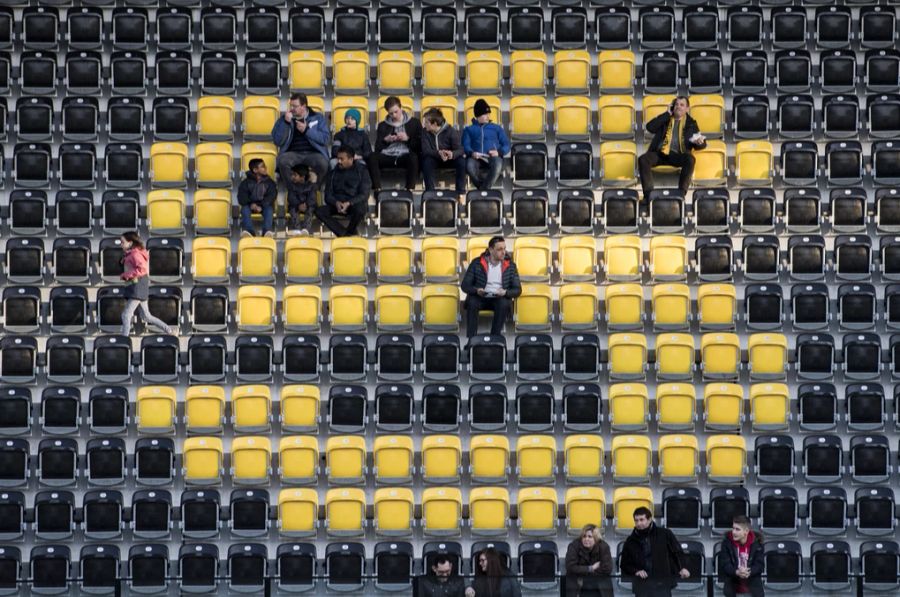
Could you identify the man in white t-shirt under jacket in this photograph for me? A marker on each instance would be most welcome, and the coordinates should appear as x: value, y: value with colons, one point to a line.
x: 490, y: 283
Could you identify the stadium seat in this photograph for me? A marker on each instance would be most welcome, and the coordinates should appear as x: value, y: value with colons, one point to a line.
x: 767, y: 354
x: 616, y: 69
x: 622, y: 258
x: 251, y: 408
x: 298, y: 458
x: 618, y: 163
x: 155, y: 409
x: 251, y: 460
x: 528, y: 117
x: 537, y: 511
x: 394, y: 512
x: 624, y: 306
x: 203, y: 461
x: 617, y: 117
x: 255, y: 308
x: 723, y: 406
x: 679, y: 459
x: 212, y: 211
x: 753, y: 163
x: 629, y: 407
x: 671, y: 307
x: 488, y: 511
x: 306, y: 70
x: 394, y: 307
x: 769, y: 407
x: 584, y: 459
x: 726, y: 458
x: 573, y: 118
x: 572, y: 71
x: 674, y: 356
x: 213, y: 164
x: 528, y: 71
x: 536, y: 459
x: 676, y: 406
x: 625, y: 501
x: 298, y: 512
x: 631, y: 459
x: 345, y: 458
x: 442, y: 511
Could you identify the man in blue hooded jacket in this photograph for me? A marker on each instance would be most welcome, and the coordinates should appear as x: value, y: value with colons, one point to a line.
x: 485, y: 144
x: 302, y: 137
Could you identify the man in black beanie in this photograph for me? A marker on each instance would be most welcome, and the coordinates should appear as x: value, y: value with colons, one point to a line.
x: 485, y: 144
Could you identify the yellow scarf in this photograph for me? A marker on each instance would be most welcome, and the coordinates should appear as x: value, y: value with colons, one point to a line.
x: 673, y: 128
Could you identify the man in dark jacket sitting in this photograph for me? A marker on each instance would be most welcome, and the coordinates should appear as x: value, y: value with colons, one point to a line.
x: 442, y: 149
x: 675, y: 134
x: 347, y: 189
x: 490, y: 283
x: 256, y: 195
x: 742, y: 560
x: 652, y: 557
x: 442, y: 582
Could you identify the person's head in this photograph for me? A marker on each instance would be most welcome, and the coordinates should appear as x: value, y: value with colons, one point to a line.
x: 258, y: 167
x: 590, y: 535
x: 681, y: 105
x: 130, y: 240
x: 299, y: 173
x: 740, y: 528
x: 394, y: 108
x: 442, y: 567
x: 482, y: 111
x: 489, y: 563
x: 345, y: 157
x: 497, y: 248
x: 352, y: 118
x: 299, y: 105
x: 433, y: 120
x: 642, y: 518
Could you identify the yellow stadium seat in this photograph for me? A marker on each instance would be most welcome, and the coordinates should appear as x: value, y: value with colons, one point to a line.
x: 168, y: 165
x: 534, y: 258
x: 155, y: 409
x: 584, y: 458
x: 211, y: 260
x: 770, y: 407
x: 528, y: 117
x: 257, y: 259
x: 165, y: 212
x: 616, y: 116
x: 753, y: 163
x: 627, y: 356
x: 668, y: 258
x: 767, y: 355
x: 394, y: 259
x: 629, y: 407
x: 679, y: 458
x: 298, y: 512
x: 622, y: 258
x: 441, y: 511
x: 267, y: 152
x: 440, y: 259
x: 709, y: 112
x: 349, y: 259
x: 676, y: 406
x: 202, y: 461
x: 304, y: 259
x: 396, y: 72
x: 393, y: 458
x: 345, y: 459
x: 394, y: 511
x: 299, y: 407
x: 720, y: 356
x: 674, y: 357
x: 577, y: 258
x: 251, y: 458
x: 340, y: 105
x: 533, y: 310
x: 711, y: 166
x: 716, y: 306
x: 537, y: 508
x: 475, y: 246
x: 723, y: 406
x: 306, y: 71
x: 488, y: 458
x: 528, y: 71
x: 536, y: 458
x: 573, y: 119
x: 298, y: 460
x: 726, y: 459
x: 204, y: 409
x: 258, y: 117
x: 631, y: 458
x: 345, y: 512
x: 653, y: 105
x: 572, y: 71
x: 212, y: 211
x: 213, y: 164
x: 255, y: 311
x: 625, y: 501
x: 484, y: 72
x: 578, y: 306
x: 394, y: 307
x: 348, y: 307
x: 441, y: 458
x: 618, y: 163
x: 251, y: 408
x: 440, y: 307
x: 447, y: 104
x: 584, y: 506
x: 440, y: 70
x: 488, y: 510
x: 215, y: 118
x: 671, y: 306
x: 469, y: 108
x: 616, y: 68
x: 624, y: 306
x: 302, y: 307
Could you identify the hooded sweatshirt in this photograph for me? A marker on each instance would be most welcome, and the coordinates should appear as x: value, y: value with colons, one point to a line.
x: 411, y: 126
x: 743, y: 560
x: 482, y: 138
x: 446, y: 137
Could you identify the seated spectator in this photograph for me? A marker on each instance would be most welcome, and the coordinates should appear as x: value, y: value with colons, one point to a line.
x: 256, y: 195
x: 490, y: 283
x: 301, y: 200
x: 302, y: 138
x: 485, y: 144
x: 441, y: 148
x: 398, y: 141
x: 675, y: 135
x: 347, y: 189
x: 492, y: 578
x: 442, y: 582
x: 742, y: 560
x: 352, y: 136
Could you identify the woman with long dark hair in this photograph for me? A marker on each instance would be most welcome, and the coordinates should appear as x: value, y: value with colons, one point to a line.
x: 492, y: 579
x: 137, y: 283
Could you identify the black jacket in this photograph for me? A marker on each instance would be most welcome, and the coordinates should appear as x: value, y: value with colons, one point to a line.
x: 729, y: 562
x: 447, y: 137
x: 249, y: 190
x: 430, y: 586
x: 658, y: 126
x: 355, y: 139
x: 352, y: 184
x: 411, y: 126
x: 580, y: 579
x: 476, y: 276
x: 507, y: 587
x: 666, y: 552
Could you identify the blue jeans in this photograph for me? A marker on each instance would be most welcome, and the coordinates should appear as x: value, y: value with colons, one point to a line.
x: 430, y: 166
x: 484, y: 175
x: 247, y: 220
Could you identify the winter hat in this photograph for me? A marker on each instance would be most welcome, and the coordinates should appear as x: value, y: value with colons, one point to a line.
x: 481, y: 107
x: 354, y: 114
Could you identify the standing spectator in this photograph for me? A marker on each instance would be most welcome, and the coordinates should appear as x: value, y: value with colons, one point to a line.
x: 442, y: 582
x: 588, y: 565
x: 136, y: 262
x: 491, y: 282
x: 653, y: 556
x: 675, y: 134
x: 347, y: 191
x: 742, y: 560
x: 256, y: 195
x: 301, y: 199
x: 302, y: 138
x: 492, y: 579
x: 352, y: 136
x: 485, y: 144
x: 398, y: 141
x: 441, y: 148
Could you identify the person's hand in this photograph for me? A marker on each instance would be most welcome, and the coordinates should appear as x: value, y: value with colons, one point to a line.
x: 288, y: 116
x: 476, y: 155
x: 493, y: 153
x: 301, y: 126
x: 470, y: 592
x: 501, y: 292
x: 390, y: 138
x: 743, y: 572
x: 446, y: 154
x: 255, y: 208
x: 342, y: 206
x: 357, y: 157
x: 401, y: 136
x: 480, y: 292
x: 641, y: 574
x: 684, y: 573
x: 595, y: 566
x: 301, y: 207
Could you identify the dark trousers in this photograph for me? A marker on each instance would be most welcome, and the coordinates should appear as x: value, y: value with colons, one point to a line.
x: 500, y: 305
x: 652, y: 587
x: 431, y: 165
x: 685, y: 161
x: 326, y: 213
x: 409, y: 163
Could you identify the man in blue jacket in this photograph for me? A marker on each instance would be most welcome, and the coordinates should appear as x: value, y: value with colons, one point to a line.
x: 302, y: 138
x: 490, y: 283
x: 485, y: 144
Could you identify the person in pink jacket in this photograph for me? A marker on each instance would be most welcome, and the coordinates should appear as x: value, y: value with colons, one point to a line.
x: 137, y: 283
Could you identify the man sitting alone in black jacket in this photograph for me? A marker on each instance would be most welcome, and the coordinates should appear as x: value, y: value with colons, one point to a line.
x: 652, y: 557
x: 347, y: 189
x: 491, y: 282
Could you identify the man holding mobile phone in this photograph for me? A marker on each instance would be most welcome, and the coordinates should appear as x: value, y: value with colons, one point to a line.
x: 675, y: 135
x: 490, y: 283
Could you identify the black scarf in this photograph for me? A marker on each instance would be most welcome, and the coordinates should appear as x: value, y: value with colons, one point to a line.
x: 643, y: 536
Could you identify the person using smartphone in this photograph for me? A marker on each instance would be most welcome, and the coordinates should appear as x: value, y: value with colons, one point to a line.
x: 398, y: 141
x: 302, y: 137
x: 675, y: 135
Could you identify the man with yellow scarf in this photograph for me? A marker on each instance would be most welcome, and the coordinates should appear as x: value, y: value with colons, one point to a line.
x: 675, y: 135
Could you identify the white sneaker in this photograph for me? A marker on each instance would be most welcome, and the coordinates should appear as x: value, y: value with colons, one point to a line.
x: 245, y: 234
x: 293, y: 232
x: 304, y: 232
x: 269, y: 234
